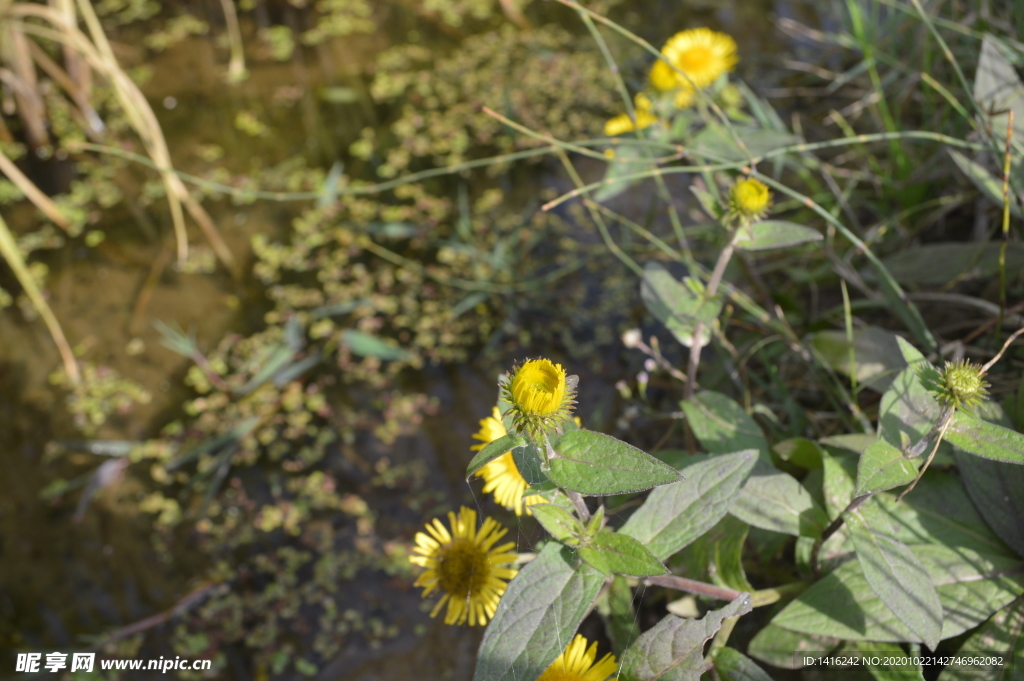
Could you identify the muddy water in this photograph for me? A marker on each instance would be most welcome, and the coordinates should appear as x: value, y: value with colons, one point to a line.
x: 61, y: 581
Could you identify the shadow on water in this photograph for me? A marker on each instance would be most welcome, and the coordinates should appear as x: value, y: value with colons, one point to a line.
x: 62, y: 581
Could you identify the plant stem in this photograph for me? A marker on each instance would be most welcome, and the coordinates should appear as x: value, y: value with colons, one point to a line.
x: 698, y: 332
x: 692, y: 586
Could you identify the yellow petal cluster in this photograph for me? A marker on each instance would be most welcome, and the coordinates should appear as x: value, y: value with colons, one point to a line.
x: 622, y: 123
x: 538, y: 388
x: 749, y: 199
x: 501, y: 476
x: 699, y: 56
x: 577, y: 663
x: 465, y: 565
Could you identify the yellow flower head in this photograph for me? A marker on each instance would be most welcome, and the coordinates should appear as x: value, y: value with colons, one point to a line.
x: 501, y: 475
x: 540, y: 395
x: 700, y: 53
x: 465, y: 565
x: 576, y: 663
x: 749, y: 200
x: 623, y: 123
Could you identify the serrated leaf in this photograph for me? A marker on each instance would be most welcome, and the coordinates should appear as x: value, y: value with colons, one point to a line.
x: 732, y: 665
x: 368, y: 345
x: 594, y: 463
x: 559, y: 523
x: 769, y: 234
x: 883, y: 467
x: 1002, y: 636
x: 785, y: 649
x: 492, y: 451
x: 971, y: 434
x: 673, y: 649
x: 619, y: 553
x: 773, y: 500
x: 679, y: 305
x: 676, y: 514
x: 895, y: 574
x: 722, y: 426
x: 541, y: 610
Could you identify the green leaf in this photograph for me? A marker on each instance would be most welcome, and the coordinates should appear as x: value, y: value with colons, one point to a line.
x: 971, y: 434
x: 367, y: 345
x: 722, y: 426
x: 785, y: 649
x: 629, y: 160
x: 616, y: 608
x: 732, y: 665
x: 883, y: 467
x: 895, y: 574
x: 673, y: 649
x: 619, y: 553
x: 995, y: 487
x: 773, y: 500
x: 539, y: 612
x: 717, y: 143
x: 594, y: 463
x: 997, y: 88
x: 559, y: 523
x: 530, y: 463
x: 960, y: 261
x: 1001, y: 636
x: 837, y: 485
x: 727, y: 555
x: 492, y: 451
x: 708, y: 202
x: 842, y: 604
x: 876, y: 355
x: 769, y: 234
x: 908, y: 411
x: 986, y: 182
x: 676, y: 514
x: 799, y: 451
x: 974, y: 573
x: 680, y: 306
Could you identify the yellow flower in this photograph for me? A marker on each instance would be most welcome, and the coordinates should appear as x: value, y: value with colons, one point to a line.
x: 501, y: 475
x: 623, y: 123
x: 749, y: 200
x: 540, y: 394
x: 465, y: 565
x: 700, y: 53
x: 576, y: 663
